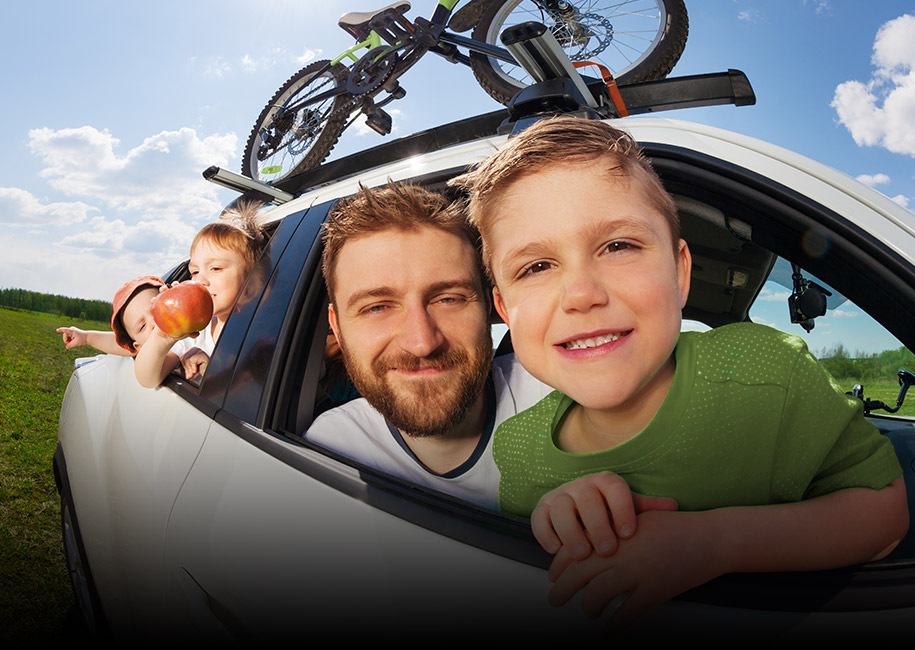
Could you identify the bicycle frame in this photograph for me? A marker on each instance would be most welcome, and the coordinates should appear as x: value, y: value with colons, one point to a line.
x: 436, y: 26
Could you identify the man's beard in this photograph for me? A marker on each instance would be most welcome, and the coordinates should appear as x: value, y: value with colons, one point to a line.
x: 423, y: 408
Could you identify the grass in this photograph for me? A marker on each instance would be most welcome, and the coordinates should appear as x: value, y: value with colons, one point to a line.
x: 885, y: 390
x: 35, y: 595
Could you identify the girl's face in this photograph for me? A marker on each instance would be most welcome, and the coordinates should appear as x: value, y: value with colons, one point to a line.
x: 222, y: 271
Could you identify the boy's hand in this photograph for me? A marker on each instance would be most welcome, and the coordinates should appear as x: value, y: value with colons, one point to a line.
x: 594, y: 511
x: 194, y: 361
x: 72, y: 336
x: 672, y: 553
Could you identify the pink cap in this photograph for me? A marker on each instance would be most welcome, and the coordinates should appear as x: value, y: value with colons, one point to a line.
x: 121, y: 298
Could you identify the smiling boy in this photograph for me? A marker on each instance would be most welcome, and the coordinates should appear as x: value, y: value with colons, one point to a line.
x: 583, y: 246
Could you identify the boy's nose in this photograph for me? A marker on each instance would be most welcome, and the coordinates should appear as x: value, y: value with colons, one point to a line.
x: 581, y: 291
x: 420, y: 334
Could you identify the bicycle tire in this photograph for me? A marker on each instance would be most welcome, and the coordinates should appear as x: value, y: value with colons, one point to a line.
x: 629, y: 53
x: 281, y: 147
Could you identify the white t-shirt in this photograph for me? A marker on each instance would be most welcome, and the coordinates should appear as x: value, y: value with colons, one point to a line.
x: 357, y: 430
x: 204, y: 340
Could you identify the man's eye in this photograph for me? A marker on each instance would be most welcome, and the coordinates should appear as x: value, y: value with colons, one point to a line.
x: 373, y: 309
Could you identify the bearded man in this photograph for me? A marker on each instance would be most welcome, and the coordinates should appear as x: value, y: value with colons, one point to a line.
x: 410, y: 311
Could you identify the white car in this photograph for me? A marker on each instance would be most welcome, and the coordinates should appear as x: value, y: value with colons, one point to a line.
x: 200, y: 511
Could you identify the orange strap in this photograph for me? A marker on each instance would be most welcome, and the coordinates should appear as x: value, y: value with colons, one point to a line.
x: 611, y: 85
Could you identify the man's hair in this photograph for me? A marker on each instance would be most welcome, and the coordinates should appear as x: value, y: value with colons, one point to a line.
x: 239, y: 228
x: 555, y: 140
x: 395, y: 206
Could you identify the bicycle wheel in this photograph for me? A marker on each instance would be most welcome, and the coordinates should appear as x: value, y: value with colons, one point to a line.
x: 638, y: 40
x: 290, y: 137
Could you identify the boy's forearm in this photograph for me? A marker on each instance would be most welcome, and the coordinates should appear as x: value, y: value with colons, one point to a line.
x: 105, y: 342
x: 847, y: 527
x: 154, y: 361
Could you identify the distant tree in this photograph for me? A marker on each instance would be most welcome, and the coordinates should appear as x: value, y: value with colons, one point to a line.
x: 97, y: 310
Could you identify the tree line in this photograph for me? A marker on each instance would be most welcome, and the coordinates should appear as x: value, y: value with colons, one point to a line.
x: 97, y: 310
x: 884, y: 365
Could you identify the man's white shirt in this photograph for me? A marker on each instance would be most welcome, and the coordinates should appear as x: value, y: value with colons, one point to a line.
x: 358, y: 431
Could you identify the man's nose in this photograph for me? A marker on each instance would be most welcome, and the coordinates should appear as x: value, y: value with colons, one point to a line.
x: 420, y: 334
x: 582, y: 290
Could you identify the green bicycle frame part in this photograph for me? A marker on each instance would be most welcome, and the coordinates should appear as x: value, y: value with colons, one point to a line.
x: 374, y: 40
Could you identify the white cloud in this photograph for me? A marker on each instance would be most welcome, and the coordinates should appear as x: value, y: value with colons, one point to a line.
x: 115, y: 215
x: 901, y: 200
x: 751, y: 16
x: 879, y: 112
x: 769, y: 295
x: 873, y: 180
x: 841, y: 313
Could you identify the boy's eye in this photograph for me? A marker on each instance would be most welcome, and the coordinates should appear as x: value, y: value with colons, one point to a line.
x: 535, y: 267
x: 618, y: 247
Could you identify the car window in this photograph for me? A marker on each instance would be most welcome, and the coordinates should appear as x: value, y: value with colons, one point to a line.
x: 852, y: 345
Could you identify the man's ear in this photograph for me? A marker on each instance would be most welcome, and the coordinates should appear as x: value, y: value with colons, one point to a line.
x: 500, y: 306
x: 332, y: 319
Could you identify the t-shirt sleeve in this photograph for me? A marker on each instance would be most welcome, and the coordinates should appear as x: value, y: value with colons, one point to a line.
x: 825, y: 440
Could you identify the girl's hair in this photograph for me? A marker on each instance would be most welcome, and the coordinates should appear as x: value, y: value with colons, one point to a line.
x: 239, y: 228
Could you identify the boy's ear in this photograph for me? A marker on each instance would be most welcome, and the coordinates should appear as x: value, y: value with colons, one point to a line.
x: 500, y: 306
x: 684, y: 270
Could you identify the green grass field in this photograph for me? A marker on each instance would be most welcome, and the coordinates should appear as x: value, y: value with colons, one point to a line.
x: 35, y: 594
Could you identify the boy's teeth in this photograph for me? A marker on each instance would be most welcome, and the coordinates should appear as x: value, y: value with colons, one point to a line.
x: 582, y: 344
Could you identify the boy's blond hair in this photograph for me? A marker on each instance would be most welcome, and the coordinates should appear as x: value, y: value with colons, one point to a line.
x: 396, y: 206
x: 555, y: 140
x: 240, y: 229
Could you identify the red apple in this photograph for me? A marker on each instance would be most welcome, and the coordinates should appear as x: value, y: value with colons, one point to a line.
x: 183, y: 309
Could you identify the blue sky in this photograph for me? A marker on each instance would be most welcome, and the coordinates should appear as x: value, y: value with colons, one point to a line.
x: 111, y: 110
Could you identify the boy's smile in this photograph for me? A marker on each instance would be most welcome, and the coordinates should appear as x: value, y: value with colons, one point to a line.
x: 592, y: 287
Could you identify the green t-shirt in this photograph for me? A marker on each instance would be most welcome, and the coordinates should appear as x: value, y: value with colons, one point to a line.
x: 751, y: 418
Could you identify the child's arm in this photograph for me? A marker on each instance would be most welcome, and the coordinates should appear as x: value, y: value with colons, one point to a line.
x: 676, y: 551
x: 100, y: 340
x: 593, y: 511
x: 194, y: 361
x: 155, y: 359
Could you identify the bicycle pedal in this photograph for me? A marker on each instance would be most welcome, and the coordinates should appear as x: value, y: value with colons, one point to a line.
x: 379, y: 121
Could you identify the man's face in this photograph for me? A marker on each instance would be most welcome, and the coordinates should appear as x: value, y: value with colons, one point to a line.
x: 411, y: 317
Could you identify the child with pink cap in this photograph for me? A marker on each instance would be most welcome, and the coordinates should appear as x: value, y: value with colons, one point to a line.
x: 222, y: 255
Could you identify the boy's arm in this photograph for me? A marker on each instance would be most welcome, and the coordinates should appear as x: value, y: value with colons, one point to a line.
x: 100, y: 340
x: 194, y: 361
x: 594, y: 511
x: 673, y: 552
x: 155, y: 359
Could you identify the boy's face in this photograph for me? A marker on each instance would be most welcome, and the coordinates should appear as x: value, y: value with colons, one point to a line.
x: 137, y: 316
x: 222, y: 271
x: 589, y: 284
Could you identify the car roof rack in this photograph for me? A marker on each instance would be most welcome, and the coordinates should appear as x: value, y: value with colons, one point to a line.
x: 558, y: 88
